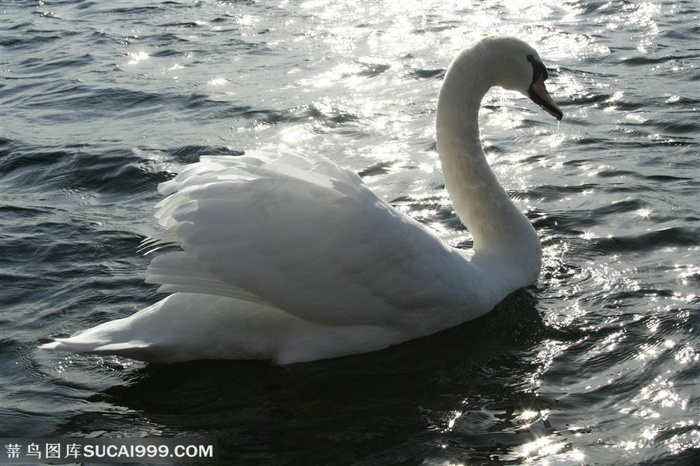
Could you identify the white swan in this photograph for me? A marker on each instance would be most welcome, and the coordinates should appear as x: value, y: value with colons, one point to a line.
x: 292, y: 258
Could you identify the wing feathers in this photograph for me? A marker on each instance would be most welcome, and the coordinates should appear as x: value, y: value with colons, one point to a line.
x: 299, y: 234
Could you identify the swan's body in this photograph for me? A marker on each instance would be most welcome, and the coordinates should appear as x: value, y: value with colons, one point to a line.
x: 292, y: 258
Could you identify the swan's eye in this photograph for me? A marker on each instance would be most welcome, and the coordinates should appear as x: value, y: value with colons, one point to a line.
x: 538, y: 69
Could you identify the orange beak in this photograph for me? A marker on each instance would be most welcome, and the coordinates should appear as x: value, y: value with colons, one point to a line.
x: 538, y: 93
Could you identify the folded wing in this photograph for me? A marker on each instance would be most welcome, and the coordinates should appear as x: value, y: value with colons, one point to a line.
x: 302, y: 235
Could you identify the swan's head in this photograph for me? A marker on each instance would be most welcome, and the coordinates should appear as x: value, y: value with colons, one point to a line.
x: 518, y: 67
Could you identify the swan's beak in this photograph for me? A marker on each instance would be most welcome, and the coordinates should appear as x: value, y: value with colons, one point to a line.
x: 538, y: 93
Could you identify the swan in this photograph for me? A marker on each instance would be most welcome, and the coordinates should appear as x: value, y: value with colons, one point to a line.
x: 291, y: 258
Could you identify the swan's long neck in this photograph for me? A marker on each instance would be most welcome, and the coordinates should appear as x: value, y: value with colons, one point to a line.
x: 499, y: 229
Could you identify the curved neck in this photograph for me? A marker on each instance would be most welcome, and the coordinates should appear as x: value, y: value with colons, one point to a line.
x: 498, y: 228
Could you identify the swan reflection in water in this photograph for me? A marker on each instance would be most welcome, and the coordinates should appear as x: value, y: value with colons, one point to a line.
x: 292, y: 258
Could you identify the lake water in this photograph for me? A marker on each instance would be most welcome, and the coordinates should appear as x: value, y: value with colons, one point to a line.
x: 597, y: 363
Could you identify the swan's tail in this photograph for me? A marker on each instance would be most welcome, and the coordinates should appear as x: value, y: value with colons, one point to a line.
x: 187, y: 327
x: 82, y: 345
x: 107, y: 338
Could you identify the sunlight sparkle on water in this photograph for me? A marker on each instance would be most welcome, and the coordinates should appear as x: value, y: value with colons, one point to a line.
x: 658, y: 396
x: 294, y: 135
x: 347, y: 72
x: 588, y: 235
x: 217, y: 81
x: 529, y: 414
x: 451, y: 423
x: 645, y: 213
x: 136, y: 57
x: 687, y: 355
x: 543, y: 447
x: 544, y: 450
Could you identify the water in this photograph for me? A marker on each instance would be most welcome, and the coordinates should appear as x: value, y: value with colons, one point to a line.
x: 595, y: 364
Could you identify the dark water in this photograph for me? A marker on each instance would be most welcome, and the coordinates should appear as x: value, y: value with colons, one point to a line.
x: 598, y: 363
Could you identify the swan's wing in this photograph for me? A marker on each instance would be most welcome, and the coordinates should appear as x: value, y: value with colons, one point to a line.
x: 303, y: 235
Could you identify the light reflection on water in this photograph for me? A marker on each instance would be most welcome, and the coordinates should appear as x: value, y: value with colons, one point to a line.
x: 612, y: 370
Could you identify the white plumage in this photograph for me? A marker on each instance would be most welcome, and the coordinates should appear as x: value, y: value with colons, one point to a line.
x: 290, y: 257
